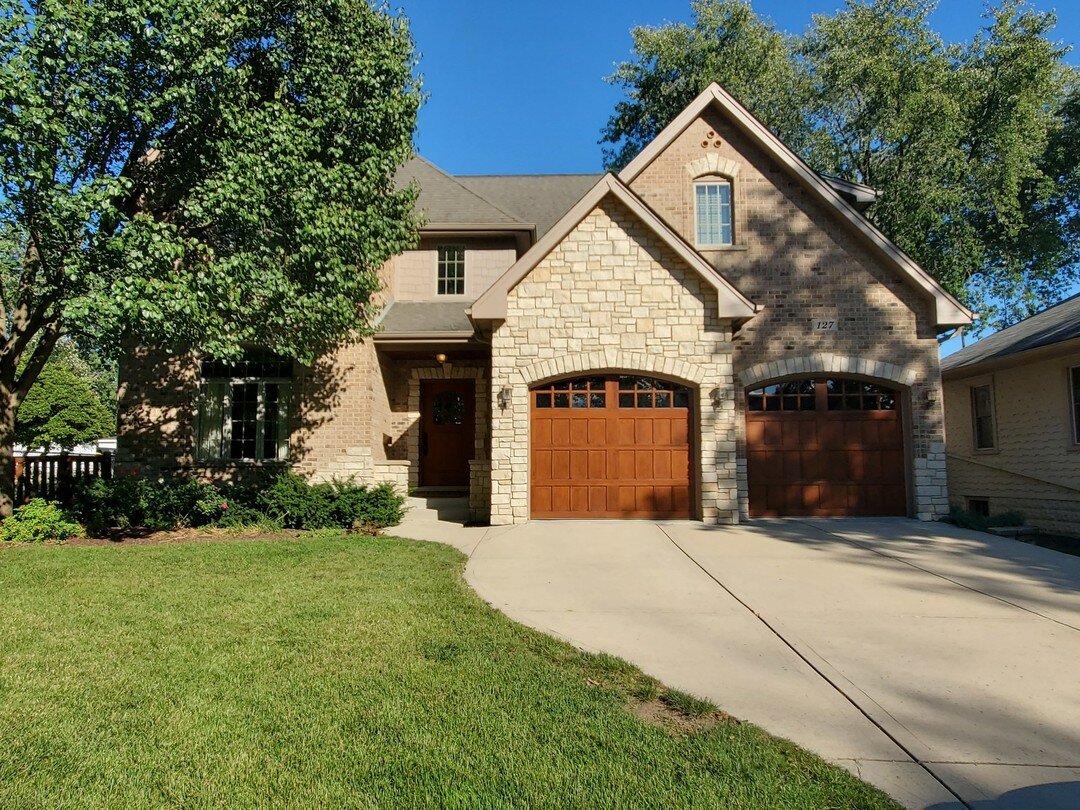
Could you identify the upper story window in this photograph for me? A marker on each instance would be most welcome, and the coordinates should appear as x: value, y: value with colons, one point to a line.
x: 712, y: 204
x: 982, y: 415
x: 244, y: 409
x: 451, y: 272
x: 1074, y: 388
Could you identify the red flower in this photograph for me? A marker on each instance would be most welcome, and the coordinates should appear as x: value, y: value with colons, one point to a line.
x: 224, y: 505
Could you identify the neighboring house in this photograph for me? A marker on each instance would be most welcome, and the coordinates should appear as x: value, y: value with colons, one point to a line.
x: 716, y: 332
x: 1012, y: 405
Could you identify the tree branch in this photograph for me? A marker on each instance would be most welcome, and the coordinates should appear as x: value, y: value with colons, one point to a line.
x: 41, y: 354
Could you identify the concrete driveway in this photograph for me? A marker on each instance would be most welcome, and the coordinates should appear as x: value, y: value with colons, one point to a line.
x: 939, y: 664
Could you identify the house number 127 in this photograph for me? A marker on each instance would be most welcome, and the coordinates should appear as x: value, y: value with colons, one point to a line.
x: 825, y: 326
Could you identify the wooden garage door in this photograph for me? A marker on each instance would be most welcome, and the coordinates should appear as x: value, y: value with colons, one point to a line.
x: 610, y: 447
x: 825, y: 447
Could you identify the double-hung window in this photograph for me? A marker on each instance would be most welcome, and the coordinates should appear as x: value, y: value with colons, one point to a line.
x: 244, y: 409
x: 451, y: 270
x: 982, y: 414
x: 712, y: 206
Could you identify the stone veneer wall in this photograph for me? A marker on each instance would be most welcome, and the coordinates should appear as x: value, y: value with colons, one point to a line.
x: 612, y: 297
x: 795, y: 259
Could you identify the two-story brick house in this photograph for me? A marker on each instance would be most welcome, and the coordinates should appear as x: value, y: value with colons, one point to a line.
x: 716, y: 332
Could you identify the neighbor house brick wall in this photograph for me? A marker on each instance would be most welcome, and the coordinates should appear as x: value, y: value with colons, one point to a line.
x: 612, y: 297
x: 415, y: 271
x: 793, y: 257
x: 1035, y: 466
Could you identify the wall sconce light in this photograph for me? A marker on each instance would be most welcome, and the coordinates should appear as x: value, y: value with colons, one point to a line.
x: 504, y: 397
x: 440, y: 358
x: 716, y: 397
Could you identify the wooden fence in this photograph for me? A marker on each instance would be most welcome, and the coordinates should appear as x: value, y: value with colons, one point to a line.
x: 51, y: 475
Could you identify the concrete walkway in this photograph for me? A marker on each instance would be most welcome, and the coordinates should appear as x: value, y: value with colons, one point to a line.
x: 940, y: 665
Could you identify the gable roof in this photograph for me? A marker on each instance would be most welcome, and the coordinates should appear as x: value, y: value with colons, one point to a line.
x: 538, y: 198
x: 492, y: 304
x: 949, y: 311
x: 1058, y: 324
x: 447, y: 203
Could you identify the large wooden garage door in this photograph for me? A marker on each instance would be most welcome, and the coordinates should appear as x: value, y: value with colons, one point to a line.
x: 825, y: 447
x: 610, y: 447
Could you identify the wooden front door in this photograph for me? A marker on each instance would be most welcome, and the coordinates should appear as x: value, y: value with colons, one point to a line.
x: 825, y: 447
x: 447, y: 432
x: 610, y: 447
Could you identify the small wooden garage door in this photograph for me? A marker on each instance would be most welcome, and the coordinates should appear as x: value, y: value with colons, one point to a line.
x: 610, y: 447
x: 825, y: 447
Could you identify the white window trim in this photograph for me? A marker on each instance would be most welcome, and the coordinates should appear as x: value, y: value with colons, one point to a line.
x: 714, y: 181
x: 225, y: 446
x: 464, y: 269
x: 974, y: 418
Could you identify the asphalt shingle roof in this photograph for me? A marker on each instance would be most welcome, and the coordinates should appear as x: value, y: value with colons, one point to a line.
x: 444, y: 200
x: 1057, y: 324
x: 541, y: 199
x: 419, y: 317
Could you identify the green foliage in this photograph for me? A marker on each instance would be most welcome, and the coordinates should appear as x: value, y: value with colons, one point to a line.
x: 973, y: 520
x: 974, y: 147
x: 64, y: 407
x: 727, y: 43
x: 127, y: 502
x: 297, y: 504
x: 39, y: 521
x: 210, y: 172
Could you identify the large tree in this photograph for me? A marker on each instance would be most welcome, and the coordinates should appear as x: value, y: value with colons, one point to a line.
x: 726, y: 43
x: 215, y: 173
x: 973, y: 146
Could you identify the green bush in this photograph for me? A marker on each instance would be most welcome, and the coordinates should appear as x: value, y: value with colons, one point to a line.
x: 39, y: 522
x: 966, y: 519
x: 127, y: 502
x: 289, y: 502
x: 297, y: 504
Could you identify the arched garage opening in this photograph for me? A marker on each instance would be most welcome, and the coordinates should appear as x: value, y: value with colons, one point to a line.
x: 826, y: 446
x: 611, y: 446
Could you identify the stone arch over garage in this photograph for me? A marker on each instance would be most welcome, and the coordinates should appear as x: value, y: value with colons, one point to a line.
x: 827, y: 364
x: 613, y: 360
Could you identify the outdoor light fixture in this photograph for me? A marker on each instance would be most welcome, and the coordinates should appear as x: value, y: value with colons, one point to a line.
x: 440, y: 358
x: 504, y: 397
x: 716, y: 396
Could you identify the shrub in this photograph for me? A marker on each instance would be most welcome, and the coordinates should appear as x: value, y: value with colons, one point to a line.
x: 343, y: 504
x: 127, y: 503
x: 39, y: 522
x: 973, y: 520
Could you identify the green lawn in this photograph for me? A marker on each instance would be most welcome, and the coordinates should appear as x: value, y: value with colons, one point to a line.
x: 335, y: 671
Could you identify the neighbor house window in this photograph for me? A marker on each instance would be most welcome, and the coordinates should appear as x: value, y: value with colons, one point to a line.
x: 982, y: 412
x: 1074, y: 387
x: 244, y: 409
x: 712, y: 202
x: 451, y: 276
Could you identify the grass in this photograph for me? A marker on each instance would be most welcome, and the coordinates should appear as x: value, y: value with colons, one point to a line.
x: 338, y: 671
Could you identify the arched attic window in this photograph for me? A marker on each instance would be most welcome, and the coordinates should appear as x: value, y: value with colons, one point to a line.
x: 713, y: 214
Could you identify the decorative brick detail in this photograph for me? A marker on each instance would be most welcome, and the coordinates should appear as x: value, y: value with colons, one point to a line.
x: 613, y: 297
x: 713, y: 163
x: 392, y: 472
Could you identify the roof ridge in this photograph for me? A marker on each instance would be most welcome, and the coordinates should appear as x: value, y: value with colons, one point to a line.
x: 533, y: 174
x: 514, y: 217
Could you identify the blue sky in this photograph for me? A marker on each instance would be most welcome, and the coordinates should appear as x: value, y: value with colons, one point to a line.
x: 518, y: 86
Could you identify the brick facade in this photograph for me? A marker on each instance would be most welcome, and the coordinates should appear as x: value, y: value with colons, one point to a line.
x: 795, y: 259
x: 610, y: 296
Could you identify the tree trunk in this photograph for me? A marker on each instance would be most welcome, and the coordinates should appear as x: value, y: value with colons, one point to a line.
x: 7, y: 454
